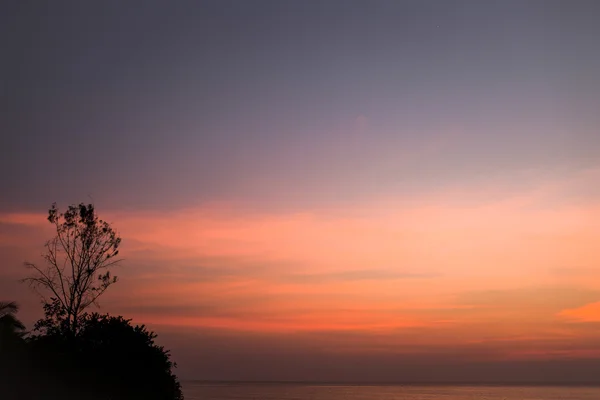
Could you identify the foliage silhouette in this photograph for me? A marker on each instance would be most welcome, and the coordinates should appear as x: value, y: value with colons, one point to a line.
x: 77, y: 262
x: 25, y: 371
x: 112, y: 356
x: 11, y: 336
x: 13, y: 354
x: 11, y: 329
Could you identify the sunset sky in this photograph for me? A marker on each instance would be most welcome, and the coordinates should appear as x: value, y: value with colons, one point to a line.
x: 335, y: 190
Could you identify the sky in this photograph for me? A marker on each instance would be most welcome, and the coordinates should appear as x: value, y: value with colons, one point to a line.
x: 337, y: 190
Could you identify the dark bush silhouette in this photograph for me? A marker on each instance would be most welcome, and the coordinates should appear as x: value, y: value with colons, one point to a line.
x: 11, y: 338
x: 109, y: 357
x: 11, y: 347
x: 20, y: 379
x: 11, y: 329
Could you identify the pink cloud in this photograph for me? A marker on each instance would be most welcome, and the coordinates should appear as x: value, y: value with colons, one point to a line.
x: 587, y: 313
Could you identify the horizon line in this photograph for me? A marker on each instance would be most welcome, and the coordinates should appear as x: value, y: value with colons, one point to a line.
x: 389, y: 383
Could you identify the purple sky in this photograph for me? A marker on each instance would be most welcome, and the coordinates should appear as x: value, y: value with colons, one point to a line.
x: 221, y: 100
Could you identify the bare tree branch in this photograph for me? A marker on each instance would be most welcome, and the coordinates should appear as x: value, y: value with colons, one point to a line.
x: 77, y: 262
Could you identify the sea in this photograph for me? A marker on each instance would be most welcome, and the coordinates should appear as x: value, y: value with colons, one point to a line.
x: 306, y: 391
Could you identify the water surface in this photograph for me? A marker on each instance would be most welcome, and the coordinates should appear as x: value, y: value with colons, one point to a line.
x: 206, y: 391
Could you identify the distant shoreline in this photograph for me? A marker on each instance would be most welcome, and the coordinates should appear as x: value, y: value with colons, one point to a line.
x: 421, y: 384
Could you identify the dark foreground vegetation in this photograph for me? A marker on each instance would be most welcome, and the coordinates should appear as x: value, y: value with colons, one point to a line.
x: 109, y: 358
x: 72, y: 353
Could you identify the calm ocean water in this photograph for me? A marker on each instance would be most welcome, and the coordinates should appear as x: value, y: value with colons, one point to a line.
x: 204, y: 391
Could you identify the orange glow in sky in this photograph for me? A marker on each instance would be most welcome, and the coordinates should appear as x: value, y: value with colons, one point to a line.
x: 518, y: 269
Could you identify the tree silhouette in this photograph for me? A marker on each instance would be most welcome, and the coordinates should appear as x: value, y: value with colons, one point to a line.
x: 116, y: 359
x: 74, y: 354
x: 11, y: 350
x: 11, y: 329
x: 76, y: 263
